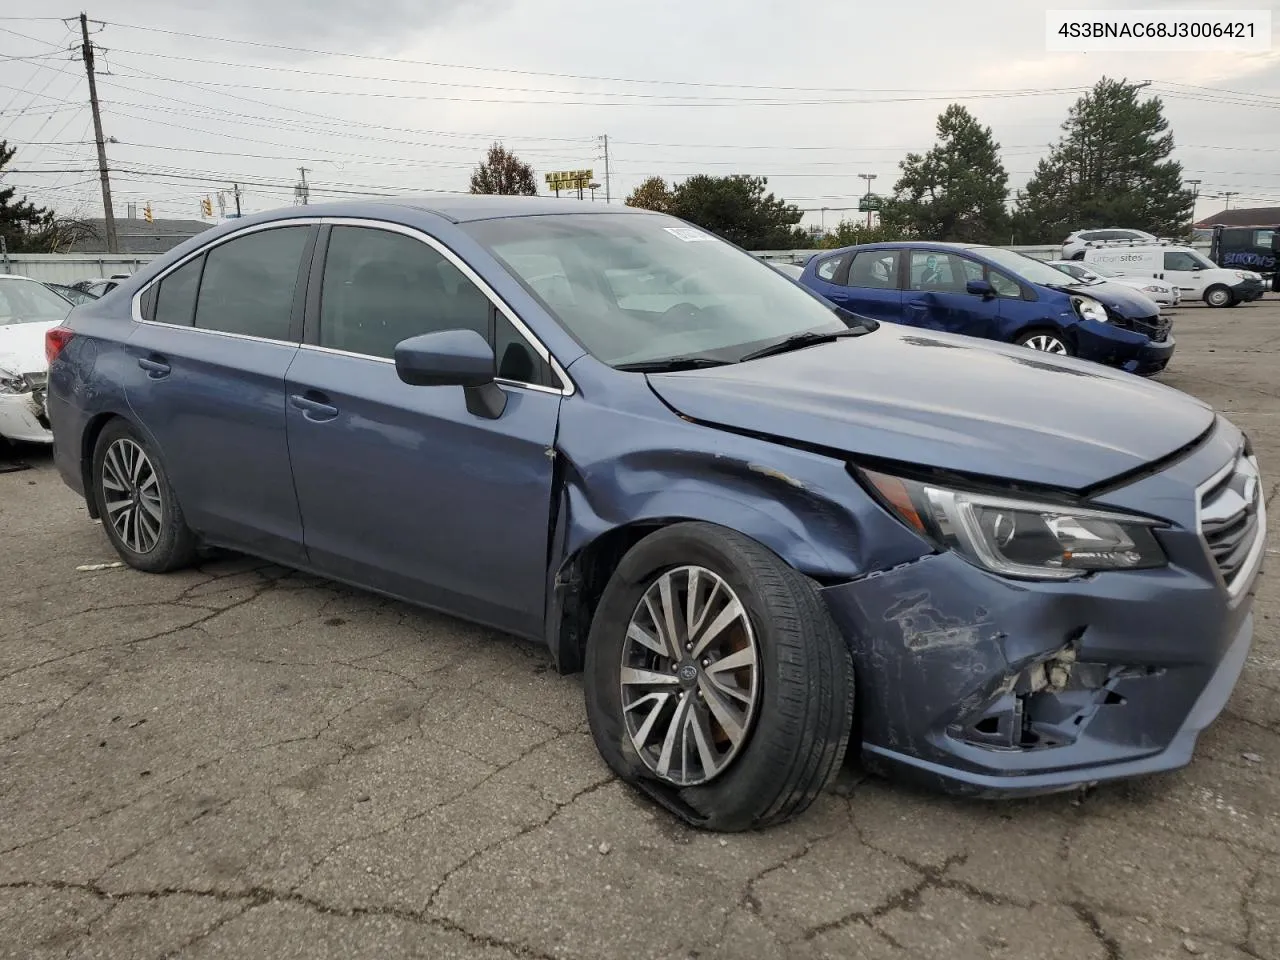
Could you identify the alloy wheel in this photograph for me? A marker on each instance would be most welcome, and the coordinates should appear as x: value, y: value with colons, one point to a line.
x: 131, y: 495
x: 690, y: 676
x: 1047, y: 343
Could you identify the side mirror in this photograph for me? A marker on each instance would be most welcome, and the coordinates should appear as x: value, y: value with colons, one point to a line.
x: 980, y: 288
x: 453, y: 358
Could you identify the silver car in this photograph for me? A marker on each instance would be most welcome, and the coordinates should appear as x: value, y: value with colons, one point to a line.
x: 1163, y: 292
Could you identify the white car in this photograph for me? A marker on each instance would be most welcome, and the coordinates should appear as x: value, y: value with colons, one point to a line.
x: 27, y: 309
x: 1196, y: 277
x: 1074, y: 246
x: 1163, y: 292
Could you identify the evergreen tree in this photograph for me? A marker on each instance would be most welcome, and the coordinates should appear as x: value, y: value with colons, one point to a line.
x: 956, y: 191
x: 1111, y: 168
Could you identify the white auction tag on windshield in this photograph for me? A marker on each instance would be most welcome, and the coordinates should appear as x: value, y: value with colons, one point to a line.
x: 688, y: 234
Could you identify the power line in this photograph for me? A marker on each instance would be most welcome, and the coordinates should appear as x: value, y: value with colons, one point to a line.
x: 942, y: 94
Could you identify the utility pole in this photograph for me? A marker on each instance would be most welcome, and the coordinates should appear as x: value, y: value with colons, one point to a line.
x: 605, y: 139
x: 1195, y: 195
x: 236, y: 187
x: 109, y: 216
x: 301, y: 191
x: 1228, y: 194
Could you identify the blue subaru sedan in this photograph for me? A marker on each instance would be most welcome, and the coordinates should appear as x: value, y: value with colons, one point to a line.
x: 726, y: 502
x: 995, y: 294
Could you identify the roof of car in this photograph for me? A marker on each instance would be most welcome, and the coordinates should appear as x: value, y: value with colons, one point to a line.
x: 914, y: 244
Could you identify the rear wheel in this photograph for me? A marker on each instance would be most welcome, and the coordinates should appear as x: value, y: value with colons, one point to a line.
x: 716, y: 681
x: 136, y: 502
x: 1046, y: 341
x: 1218, y: 297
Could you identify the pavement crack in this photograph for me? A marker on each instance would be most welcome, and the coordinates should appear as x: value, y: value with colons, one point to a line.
x: 522, y: 832
x: 907, y: 899
x: 1086, y: 916
x: 258, y: 896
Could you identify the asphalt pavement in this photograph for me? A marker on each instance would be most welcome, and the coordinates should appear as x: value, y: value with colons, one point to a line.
x: 243, y: 761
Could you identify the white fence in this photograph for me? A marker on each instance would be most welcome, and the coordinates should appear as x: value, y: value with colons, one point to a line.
x: 70, y: 267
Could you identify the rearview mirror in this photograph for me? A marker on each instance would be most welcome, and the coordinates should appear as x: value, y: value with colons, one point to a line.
x: 453, y: 358
x: 980, y: 288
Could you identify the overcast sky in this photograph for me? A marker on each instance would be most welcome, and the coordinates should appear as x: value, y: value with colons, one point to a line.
x: 192, y: 115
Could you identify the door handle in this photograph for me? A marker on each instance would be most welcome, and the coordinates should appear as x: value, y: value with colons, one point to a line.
x: 156, y: 369
x: 314, y: 410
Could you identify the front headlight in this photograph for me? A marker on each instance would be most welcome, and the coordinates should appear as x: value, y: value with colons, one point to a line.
x: 11, y: 382
x: 1089, y: 309
x: 1021, y: 538
x: 1154, y: 289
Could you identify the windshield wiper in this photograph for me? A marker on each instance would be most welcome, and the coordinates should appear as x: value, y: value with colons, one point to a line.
x: 800, y: 340
x: 670, y: 364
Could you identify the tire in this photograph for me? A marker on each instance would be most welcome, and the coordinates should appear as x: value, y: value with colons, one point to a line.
x: 1218, y: 296
x: 149, y: 533
x: 799, y: 709
x: 1046, y: 341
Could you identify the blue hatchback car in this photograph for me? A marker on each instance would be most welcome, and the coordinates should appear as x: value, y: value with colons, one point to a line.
x: 759, y: 526
x: 996, y: 294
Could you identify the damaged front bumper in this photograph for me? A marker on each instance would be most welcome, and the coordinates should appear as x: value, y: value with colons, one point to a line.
x: 976, y: 684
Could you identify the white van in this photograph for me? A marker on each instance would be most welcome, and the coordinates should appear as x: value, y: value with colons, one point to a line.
x: 1197, y: 277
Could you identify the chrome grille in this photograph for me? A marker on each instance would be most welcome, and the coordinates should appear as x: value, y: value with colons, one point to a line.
x: 1232, y: 519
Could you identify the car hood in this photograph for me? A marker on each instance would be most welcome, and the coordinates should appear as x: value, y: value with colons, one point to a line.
x: 22, y: 346
x: 950, y: 402
x: 1124, y: 300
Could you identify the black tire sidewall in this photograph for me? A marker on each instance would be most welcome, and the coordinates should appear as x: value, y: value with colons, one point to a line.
x: 174, y: 546
x: 746, y: 789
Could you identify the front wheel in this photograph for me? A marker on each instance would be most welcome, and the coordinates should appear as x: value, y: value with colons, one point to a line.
x: 136, y: 502
x: 1046, y: 341
x: 1218, y: 297
x: 716, y: 681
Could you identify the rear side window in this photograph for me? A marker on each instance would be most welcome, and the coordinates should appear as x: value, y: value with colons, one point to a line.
x: 249, y: 283
x: 874, y: 268
x: 828, y: 269
x: 176, y: 295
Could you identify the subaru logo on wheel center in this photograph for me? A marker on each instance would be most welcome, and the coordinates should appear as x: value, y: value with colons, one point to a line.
x: 688, y: 673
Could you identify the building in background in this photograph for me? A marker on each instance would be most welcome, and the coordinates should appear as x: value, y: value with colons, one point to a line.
x: 138, y: 236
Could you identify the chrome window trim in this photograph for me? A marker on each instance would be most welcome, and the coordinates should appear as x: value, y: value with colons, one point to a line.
x: 521, y: 328
x: 316, y: 348
x: 464, y: 268
x: 1252, y: 562
x: 135, y: 305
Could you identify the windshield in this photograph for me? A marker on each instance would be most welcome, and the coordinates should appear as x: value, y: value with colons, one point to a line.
x: 638, y: 288
x: 1033, y: 271
x: 25, y: 301
x: 1102, y: 271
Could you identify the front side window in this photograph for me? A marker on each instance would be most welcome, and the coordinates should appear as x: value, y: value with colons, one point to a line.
x: 937, y: 272
x: 382, y: 287
x: 1262, y: 239
x: 639, y: 288
x: 877, y: 269
x: 25, y: 301
x: 249, y: 283
x: 1004, y: 286
x: 1177, y: 260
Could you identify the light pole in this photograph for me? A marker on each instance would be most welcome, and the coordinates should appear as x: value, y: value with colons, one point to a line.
x: 868, y: 177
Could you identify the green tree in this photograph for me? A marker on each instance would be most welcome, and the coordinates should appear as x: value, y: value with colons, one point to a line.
x: 22, y: 224
x: 956, y: 191
x: 738, y: 208
x: 850, y: 232
x: 652, y: 194
x: 1110, y: 168
x: 503, y: 172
